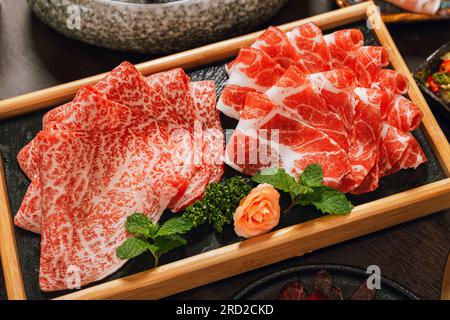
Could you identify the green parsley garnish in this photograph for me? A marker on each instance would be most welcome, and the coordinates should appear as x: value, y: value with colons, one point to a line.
x: 219, y: 203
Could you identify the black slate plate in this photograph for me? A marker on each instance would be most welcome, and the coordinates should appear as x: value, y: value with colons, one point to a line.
x: 17, y: 132
x: 429, y: 66
x: 346, y: 278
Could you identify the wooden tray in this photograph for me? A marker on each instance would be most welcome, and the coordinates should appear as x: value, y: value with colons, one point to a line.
x: 393, y: 14
x: 384, y: 208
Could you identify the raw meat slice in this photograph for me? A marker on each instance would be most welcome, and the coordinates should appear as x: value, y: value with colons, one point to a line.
x: 370, y: 182
x: 393, y: 144
x: 292, y: 290
x: 30, y: 212
x: 208, y: 144
x: 394, y: 148
x: 397, y: 150
x: 253, y: 71
x: 101, y: 178
x: 290, y: 143
x: 336, y: 87
x: 27, y: 161
x: 370, y: 61
x: 343, y: 45
x: 403, y: 114
x: 275, y: 43
x: 173, y: 86
x: 311, y: 47
x: 411, y: 158
x: 363, y: 153
x: 126, y: 85
x: 294, y: 91
x: 89, y: 107
x: 84, y: 101
x: 89, y: 110
x: 204, y: 94
x: 392, y: 82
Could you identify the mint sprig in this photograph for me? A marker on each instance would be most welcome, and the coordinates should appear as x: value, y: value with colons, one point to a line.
x: 148, y: 236
x: 308, y: 190
x: 280, y: 180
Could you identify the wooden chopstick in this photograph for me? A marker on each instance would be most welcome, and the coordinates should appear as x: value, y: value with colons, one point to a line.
x: 8, y: 248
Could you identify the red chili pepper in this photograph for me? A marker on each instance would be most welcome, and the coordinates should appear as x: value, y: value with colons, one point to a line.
x: 445, y: 66
x: 433, y: 85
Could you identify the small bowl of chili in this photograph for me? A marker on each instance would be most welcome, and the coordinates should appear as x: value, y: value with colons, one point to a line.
x: 433, y: 77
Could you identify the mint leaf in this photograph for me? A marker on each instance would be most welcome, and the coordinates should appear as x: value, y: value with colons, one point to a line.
x: 153, y: 249
x: 312, y: 176
x: 280, y: 180
x: 141, y: 225
x: 327, y: 200
x: 169, y: 242
x: 177, y: 225
x: 132, y: 247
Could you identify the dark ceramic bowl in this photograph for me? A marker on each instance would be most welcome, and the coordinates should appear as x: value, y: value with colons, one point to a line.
x: 153, y: 27
x: 348, y: 279
x: 430, y: 66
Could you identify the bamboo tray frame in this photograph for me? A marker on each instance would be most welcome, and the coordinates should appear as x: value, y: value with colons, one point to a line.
x: 251, y: 254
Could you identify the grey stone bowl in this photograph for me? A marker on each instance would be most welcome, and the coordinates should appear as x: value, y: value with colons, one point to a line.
x: 153, y: 27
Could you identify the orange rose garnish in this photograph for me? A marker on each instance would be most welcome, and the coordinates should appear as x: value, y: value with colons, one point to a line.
x: 258, y: 213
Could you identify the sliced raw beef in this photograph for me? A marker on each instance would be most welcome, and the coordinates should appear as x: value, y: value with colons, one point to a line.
x: 392, y: 82
x: 30, y: 212
x: 123, y: 146
x: 266, y: 129
x: 204, y: 94
x: 292, y: 290
x: 404, y: 114
x: 173, y: 86
x: 294, y: 91
x: 252, y: 71
x: 311, y: 47
x: 101, y: 178
x: 411, y: 158
x: 366, y: 131
x: 208, y: 138
x: 336, y: 87
x: 393, y: 144
x: 370, y: 61
x: 275, y: 43
x: 370, y: 182
x: 90, y: 96
x: 126, y: 85
x: 89, y: 110
x: 343, y: 45
x: 398, y: 150
x: 339, y: 87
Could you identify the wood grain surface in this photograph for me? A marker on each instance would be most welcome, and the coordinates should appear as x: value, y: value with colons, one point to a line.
x: 34, y: 57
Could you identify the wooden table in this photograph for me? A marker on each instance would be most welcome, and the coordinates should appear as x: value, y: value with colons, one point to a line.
x: 33, y: 57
